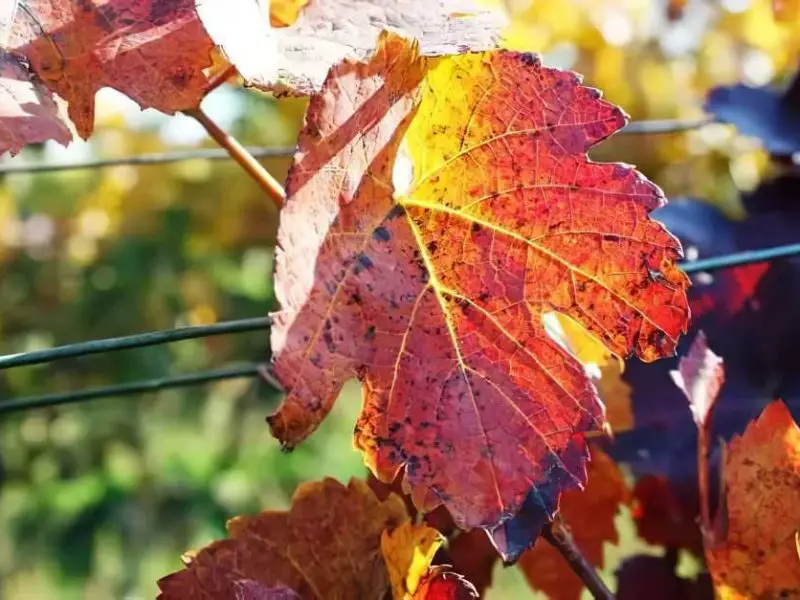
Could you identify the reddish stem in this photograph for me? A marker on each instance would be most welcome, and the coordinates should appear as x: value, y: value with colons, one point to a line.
x: 559, y: 536
x: 240, y: 154
x: 220, y: 78
x: 702, y: 476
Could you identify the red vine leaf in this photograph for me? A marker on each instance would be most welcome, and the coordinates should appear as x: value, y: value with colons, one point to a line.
x: 443, y: 584
x: 326, y: 546
x: 753, y: 553
x: 590, y: 516
x: 29, y: 114
x: 296, y: 59
x: 434, y: 295
x: 666, y: 516
x: 153, y: 51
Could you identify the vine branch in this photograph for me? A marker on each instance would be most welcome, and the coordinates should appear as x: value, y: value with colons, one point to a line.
x: 559, y: 536
x: 239, y: 153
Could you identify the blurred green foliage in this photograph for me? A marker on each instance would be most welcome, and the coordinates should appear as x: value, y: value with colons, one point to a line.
x: 98, y: 500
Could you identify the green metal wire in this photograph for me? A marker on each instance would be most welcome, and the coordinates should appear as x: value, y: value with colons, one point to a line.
x: 150, y: 385
x: 133, y: 341
x: 738, y: 259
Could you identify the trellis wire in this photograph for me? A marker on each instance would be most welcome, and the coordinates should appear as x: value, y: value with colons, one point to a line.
x: 138, y: 387
x: 161, y: 337
x: 739, y: 259
x: 634, y: 128
x: 141, y: 160
x: 132, y: 341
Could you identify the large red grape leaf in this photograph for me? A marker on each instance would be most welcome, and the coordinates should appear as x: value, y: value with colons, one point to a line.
x: 753, y: 553
x: 434, y: 296
x: 590, y: 516
x: 154, y: 51
x: 326, y: 546
x: 29, y: 114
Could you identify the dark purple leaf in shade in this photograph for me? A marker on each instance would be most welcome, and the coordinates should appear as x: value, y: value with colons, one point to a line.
x: 764, y: 113
x: 654, y: 578
x: 750, y: 315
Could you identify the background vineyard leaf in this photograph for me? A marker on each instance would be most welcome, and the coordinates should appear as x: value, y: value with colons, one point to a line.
x: 30, y: 115
x: 745, y: 310
x: 327, y: 545
x: 296, y: 59
x: 700, y: 376
x: 666, y: 511
x: 655, y: 577
x: 156, y: 52
x: 769, y: 114
x: 752, y: 552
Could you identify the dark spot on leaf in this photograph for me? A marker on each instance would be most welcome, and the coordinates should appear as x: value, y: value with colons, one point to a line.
x: 397, y: 211
x: 364, y: 262
x: 381, y: 234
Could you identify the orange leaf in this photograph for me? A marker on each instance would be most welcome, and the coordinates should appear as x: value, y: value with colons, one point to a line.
x: 296, y: 59
x: 433, y: 294
x: 590, y: 516
x: 28, y: 112
x: 753, y: 552
x: 787, y: 11
x: 326, y: 546
x: 154, y: 51
x: 615, y: 393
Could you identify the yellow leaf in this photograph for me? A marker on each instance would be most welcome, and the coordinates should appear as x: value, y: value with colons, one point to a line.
x: 408, y: 552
